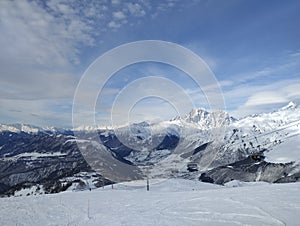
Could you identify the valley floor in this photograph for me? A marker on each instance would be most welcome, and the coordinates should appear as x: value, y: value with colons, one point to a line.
x: 170, y: 202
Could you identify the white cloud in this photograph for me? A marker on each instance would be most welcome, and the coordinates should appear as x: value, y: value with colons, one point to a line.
x: 119, y: 15
x: 39, y: 46
x: 32, y: 35
x: 113, y: 24
x: 263, y: 98
x: 265, y: 89
x: 38, y: 49
x: 292, y: 91
x: 115, y: 2
x: 295, y: 54
x: 136, y: 9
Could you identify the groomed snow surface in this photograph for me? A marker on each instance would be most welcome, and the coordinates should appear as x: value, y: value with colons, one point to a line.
x: 169, y: 202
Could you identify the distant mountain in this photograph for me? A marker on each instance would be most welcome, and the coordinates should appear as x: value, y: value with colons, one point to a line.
x: 222, y: 147
x: 207, y: 120
x: 26, y: 128
x: 17, y: 128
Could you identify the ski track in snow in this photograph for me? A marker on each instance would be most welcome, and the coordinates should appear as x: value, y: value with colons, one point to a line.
x: 263, y: 204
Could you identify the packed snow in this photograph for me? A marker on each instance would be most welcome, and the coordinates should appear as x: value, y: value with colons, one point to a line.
x: 169, y: 202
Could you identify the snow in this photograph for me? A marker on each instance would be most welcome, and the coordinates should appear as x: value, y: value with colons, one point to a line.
x: 289, y: 151
x: 17, y: 128
x: 76, y: 140
x: 87, y: 177
x: 290, y: 105
x: 35, y: 155
x: 8, y: 128
x: 92, y: 128
x: 169, y: 202
x: 237, y: 183
x: 33, y: 190
x: 165, y: 185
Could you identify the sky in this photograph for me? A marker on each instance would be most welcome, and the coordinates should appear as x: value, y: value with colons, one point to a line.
x: 251, y: 47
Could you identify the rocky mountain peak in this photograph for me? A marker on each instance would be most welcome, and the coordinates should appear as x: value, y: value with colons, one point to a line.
x: 290, y: 105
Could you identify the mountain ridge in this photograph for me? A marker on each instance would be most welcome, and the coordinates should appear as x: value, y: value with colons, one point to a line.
x: 54, y: 159
x: 197, y: 116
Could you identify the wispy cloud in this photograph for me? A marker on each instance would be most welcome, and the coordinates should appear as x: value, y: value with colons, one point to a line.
x: 43, y: 112
x: 45, y: 46
x: 41, y: 46
x: 119, y: 15
x: 263, y: 98
x: 135, y: 9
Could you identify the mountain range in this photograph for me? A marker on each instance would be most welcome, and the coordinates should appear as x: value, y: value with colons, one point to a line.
x: 261, y: 147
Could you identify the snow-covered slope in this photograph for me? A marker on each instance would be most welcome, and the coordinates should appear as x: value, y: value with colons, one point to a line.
x: 264, y: 204
x: 289, y: 151
x: 278, y: 131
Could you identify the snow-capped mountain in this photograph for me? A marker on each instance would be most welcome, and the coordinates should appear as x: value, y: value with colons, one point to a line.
x: 274, y: 134
x: 267, y: 130
x: 17, y: 128
x: 269, y: 121
x: 31, y: 129
x: 207, y: 120
x: 215, y: 141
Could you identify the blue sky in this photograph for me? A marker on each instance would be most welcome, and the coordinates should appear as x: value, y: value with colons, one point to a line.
x: 252, y: 47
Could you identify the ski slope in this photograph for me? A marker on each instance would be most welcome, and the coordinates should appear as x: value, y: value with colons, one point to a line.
x: 169, y: 202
